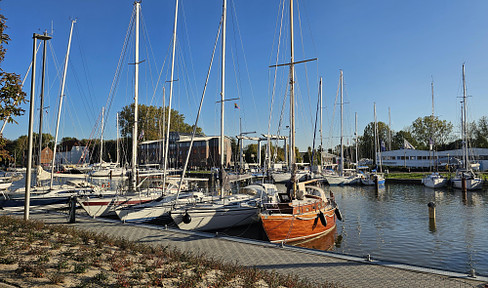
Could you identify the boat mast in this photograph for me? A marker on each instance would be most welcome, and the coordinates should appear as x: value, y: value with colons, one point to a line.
x: 101, y: 136
x: 41, y: 108
x: 389, y: 129
x: 321, y: 144
x: 222, y: 96
x: 166, y: 149
x: 136, y: 98
x: 292, y: 102
x: 118, y: 140
x: 463, y: 123
x: 341, y: 168
x: 375, y: 137
x: 61, y: 96
x: 356, y: 134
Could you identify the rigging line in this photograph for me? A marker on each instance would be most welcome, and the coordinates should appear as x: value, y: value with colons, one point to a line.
x: 305, y: 66
x: 275, y: 75
x: 245, y: 62
x: 87, y: 78
x: 193, y: 76
x: 149, y: 51
x: 115, y: 80
x: 161, y: 71
x: 331, y: 131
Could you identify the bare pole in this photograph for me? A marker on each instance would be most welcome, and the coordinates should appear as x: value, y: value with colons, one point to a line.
x: 61, y: 96
x: 389, y: 129
x: 321, y: 138
x: 341, y: 170
x: 101, y: 136
x: 170, y: 94
x: 136, y: 98
x: 356, y: 134
x: 292, y: 102
x: 464, y: 136
x: 41, y: 109
x: 28, y: 175
x: 222, y: 96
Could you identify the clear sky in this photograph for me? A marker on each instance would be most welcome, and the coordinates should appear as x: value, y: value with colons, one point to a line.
x: 389, y: 52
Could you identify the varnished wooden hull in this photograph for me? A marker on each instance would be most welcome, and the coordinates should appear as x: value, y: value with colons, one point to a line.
x: 295, y: 226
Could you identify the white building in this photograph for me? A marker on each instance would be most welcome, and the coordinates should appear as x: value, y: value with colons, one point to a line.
x: 77, y: 155
x: 411, y: 158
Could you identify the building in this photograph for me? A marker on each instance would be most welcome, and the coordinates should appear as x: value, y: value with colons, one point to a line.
x: 423, y: 159
x: 205, y: 151
x: 75, y: 154
x: 46, y: 157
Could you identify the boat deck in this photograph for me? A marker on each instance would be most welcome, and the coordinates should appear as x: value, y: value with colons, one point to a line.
x: 306, y: 263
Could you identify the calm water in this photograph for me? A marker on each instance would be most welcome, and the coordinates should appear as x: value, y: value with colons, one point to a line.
x: 393, y: 224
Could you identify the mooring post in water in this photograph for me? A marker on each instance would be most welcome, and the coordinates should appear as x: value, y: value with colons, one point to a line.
x: 431, y: 206
x: 376, y: 182
x: 72, y: 209
x: 463, y: 183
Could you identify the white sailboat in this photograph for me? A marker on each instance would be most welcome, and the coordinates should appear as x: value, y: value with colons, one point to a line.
x: 340, y: 178
x: 434, y: 180
x: 228, y: 210
x: 373, y: 177
x: 465, y: 175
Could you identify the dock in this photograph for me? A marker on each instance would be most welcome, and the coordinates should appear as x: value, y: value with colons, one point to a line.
x: 313, y: 265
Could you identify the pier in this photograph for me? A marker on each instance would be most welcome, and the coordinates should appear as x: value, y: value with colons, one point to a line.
x: 313, y: 265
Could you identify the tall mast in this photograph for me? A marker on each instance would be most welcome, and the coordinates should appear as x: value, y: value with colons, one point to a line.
x: 61, y: 96
x: 356, y: 134
x: 41, y: 109
x: 166, y: 149
x: 101, y: 136
x: 292, y: 101
x: 136, y: 98
x: 463, y: 124
x: 341, y: 168
x: 222, y: 95
x: 375, y: 137
x: 389, y: 129
x: 117, y: 157
x: 432, y: 88
x: 321, y: 144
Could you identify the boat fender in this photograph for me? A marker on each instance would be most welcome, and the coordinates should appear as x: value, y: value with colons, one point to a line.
x: 186, y: 218
x: 338, y: 213
x: 322, y: 219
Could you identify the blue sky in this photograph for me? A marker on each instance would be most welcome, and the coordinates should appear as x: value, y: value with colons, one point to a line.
x: 389, y: 52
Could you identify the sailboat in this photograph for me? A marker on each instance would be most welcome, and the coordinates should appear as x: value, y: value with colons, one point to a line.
x: 465, y: 176
x: 228, y: 210
x: 341, y: 179
x: 96, y: 206
x: 299, y: 213
x: 373, y: 177
x: 434, y: 179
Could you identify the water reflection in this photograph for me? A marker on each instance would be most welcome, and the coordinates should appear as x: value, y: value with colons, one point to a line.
x: 394, y: 224
x: 323, y: 242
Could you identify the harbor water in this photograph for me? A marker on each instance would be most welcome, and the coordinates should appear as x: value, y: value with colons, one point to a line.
x: 393, y: 224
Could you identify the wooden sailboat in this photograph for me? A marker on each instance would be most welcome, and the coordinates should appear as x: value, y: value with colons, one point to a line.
x: 303, y: 213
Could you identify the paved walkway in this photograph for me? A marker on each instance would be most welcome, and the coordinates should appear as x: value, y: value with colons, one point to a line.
x: 314, y: 265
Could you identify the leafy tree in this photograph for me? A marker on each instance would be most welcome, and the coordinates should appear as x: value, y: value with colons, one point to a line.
x: 479, y: 133
x: 398, y: 139
x: 366, y: 142
x: 431, y: 127
x: 11, y: 94
x: 150, y: 122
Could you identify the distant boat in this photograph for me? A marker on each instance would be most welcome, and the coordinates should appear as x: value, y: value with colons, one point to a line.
x: 434, y: 180
x: 373, y: 177
x: 466, y: 174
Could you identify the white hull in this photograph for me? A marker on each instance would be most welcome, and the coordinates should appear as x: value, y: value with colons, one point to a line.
x: 155, y: 209
x: 471, y: 184
x: 214, y: 217
x: 103, y: 206
x: 434, y: 181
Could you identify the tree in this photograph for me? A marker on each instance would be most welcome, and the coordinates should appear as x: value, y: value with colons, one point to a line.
x: 366, y: 142
x: 11, y: 94
x: 398, y: 140
x: 480, y: 133
x: 150, y: 124
x: 431, y: 127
